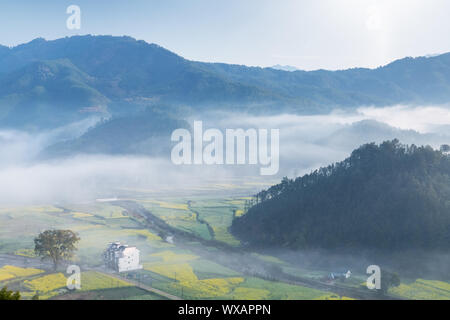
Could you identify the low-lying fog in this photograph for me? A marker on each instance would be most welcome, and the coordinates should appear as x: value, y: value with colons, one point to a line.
x: 306, y: 143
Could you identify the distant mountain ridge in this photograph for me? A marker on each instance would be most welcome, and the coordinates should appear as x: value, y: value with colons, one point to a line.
x: 147, y: 133
x: 56, y: 80
x: 358, y: 133
x: 284, y: 68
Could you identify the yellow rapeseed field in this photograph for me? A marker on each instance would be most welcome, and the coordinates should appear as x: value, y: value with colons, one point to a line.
x: 423, y: 290
x: 435, y: 284
x: 46, y: 283
x: 209, y: 288
x: 170, y: 205
x: 25, y: 253
x: 81, y: 215
x: 239, y: 213
x: 187, y: 280
x: 54, y: 284
x: 11, y: 272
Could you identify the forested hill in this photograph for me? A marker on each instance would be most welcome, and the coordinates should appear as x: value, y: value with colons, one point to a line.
x: 386, y: 197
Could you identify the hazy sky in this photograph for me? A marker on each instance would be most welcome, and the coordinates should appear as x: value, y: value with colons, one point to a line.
x: 308, y: 34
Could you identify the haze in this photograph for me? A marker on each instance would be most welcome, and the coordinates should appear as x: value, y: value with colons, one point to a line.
x: 306, y: 34
x: 306, y: 143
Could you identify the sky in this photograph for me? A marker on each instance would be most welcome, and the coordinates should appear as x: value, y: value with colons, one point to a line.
x: 306, y: 34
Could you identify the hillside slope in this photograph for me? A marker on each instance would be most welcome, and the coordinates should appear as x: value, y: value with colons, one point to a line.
x: 48, y: 93
x: 146, y: 133
x: 385, y: 197
x: 123, y: 75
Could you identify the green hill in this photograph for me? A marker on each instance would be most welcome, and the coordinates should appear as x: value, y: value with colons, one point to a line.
x: 384, y: 197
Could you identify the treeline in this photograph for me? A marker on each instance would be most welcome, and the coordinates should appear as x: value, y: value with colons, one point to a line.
x: 388, y: 196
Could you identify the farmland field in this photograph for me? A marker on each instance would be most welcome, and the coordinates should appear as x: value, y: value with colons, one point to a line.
x: 424, y: 290
x: 193, y: 267
x: 11, y: 272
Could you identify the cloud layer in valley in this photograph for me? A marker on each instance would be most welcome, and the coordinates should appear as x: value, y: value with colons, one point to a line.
x: 306, y: 143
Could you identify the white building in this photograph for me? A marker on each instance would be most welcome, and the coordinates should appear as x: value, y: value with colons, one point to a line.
x: 122, y: 257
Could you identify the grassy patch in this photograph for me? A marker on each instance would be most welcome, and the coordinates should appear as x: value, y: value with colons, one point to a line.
x: 92, y: 280
x: 283, y: 291
x: 244, y: 293
x: 172, y: 257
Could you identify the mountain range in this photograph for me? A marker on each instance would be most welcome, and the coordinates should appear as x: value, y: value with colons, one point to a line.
x: 46, y: 84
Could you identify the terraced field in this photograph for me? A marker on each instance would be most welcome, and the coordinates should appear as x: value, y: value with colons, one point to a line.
x: 188, y: 268
x: 192, y: 278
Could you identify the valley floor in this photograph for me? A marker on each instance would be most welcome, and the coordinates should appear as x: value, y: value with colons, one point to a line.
x: 186, y: 249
